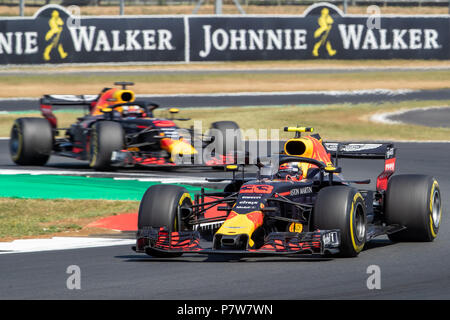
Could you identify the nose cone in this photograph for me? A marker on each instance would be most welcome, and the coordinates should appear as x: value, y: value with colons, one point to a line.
x: 239, y: 227
x: 177, y: 147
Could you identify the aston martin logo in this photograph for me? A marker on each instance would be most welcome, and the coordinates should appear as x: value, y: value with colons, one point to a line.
x: 325, y: 22
x: 54, y: 36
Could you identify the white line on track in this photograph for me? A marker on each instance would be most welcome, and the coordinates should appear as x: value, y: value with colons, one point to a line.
x: 276, y: 93
x: 87, y: 173
x: 384, y: 117
x: 142, y: 177
x: 182, y: 180
x: 287, y: 93
x: 60, y: 243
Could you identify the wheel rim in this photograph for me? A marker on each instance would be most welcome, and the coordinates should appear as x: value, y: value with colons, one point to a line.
x: 436, y: 213
x: 360, y: 224
x: 14, y: 141
x: 92, y: 149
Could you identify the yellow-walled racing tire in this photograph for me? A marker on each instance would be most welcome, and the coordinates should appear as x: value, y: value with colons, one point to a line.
x: 31, y: 141
x: 343, y: 208
x: 161, y: 206
x: 106, y: 137
x: 414, y: 201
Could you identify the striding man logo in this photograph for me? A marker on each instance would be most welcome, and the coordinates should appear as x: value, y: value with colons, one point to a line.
x: 54, y: 36
x: 325, y: 22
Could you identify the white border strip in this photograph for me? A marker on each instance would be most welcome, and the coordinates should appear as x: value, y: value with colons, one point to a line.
x: 379, y: 91
x: 60, y: 243
x: 383, y: 118
x: 106, y: 174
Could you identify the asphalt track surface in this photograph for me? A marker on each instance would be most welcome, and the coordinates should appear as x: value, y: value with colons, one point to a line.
x: 439, y: 117
x: 263, y: 99
x: 408, y: 270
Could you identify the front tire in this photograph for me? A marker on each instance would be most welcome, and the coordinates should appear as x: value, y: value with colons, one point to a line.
x: 227, y: 137
x: 413, y: 201
x: 343, y: 208
x: 106, y: 137
x: 161, y: 206
x: 31, y: 141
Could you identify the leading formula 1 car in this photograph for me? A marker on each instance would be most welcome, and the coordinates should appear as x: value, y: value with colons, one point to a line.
x: 120, y: 131
x: 300, y: 206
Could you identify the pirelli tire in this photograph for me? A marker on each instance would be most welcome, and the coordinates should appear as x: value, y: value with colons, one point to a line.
x: 413, y: 201
x: 343, y: 208
x: 227, y: 137
x: 106, y: 137
x: 31, y: 141
x: 162, y: 206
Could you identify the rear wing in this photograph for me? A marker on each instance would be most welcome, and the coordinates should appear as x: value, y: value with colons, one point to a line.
x: 360, y: 150
x: 48, y: 101
x: 68, y: 100
x: 363, y: 150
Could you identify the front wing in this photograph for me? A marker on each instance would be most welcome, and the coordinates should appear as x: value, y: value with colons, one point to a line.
x: 318, y: 242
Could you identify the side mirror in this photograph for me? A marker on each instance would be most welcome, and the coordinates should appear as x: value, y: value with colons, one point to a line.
x: 231, y: 167
x: 331, y: 169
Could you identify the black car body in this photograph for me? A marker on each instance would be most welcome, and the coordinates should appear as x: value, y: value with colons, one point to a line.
x: 316, y: 213
x: 116, y: 131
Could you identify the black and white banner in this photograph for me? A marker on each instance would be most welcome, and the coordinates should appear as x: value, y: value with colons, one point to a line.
x: 53, y: 35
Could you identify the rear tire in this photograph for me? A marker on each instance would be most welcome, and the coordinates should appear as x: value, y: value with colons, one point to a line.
x: 413, y: 201
x: 343, y: 208
x: 227, y: 143
x: 31, y: 141
x: 160, y: 207
x: 106, y: 137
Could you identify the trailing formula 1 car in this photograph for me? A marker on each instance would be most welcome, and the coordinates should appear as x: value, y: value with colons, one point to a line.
x: 119, y: 131
x: 298, y: 204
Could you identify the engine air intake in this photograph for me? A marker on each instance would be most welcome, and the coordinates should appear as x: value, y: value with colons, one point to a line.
x: 124, y: 96
x: 295, y: 147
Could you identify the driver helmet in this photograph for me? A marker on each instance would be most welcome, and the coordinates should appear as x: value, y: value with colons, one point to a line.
x: 131, y: 111
x: 290, y: 171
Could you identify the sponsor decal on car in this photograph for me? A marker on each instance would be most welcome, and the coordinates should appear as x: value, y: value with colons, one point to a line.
x: 256, y: 188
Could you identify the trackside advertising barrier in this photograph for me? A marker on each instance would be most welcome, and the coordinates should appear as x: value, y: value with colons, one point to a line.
x: 54, y: 36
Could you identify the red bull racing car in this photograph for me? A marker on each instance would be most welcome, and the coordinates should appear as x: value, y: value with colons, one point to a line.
x: 300, y: 205
x: 120, y: 131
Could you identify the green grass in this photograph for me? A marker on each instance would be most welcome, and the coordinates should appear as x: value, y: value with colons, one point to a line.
x: 412, y: 76
x: 32, y: 85
x: 34, y: 217
x: 333, y: 122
